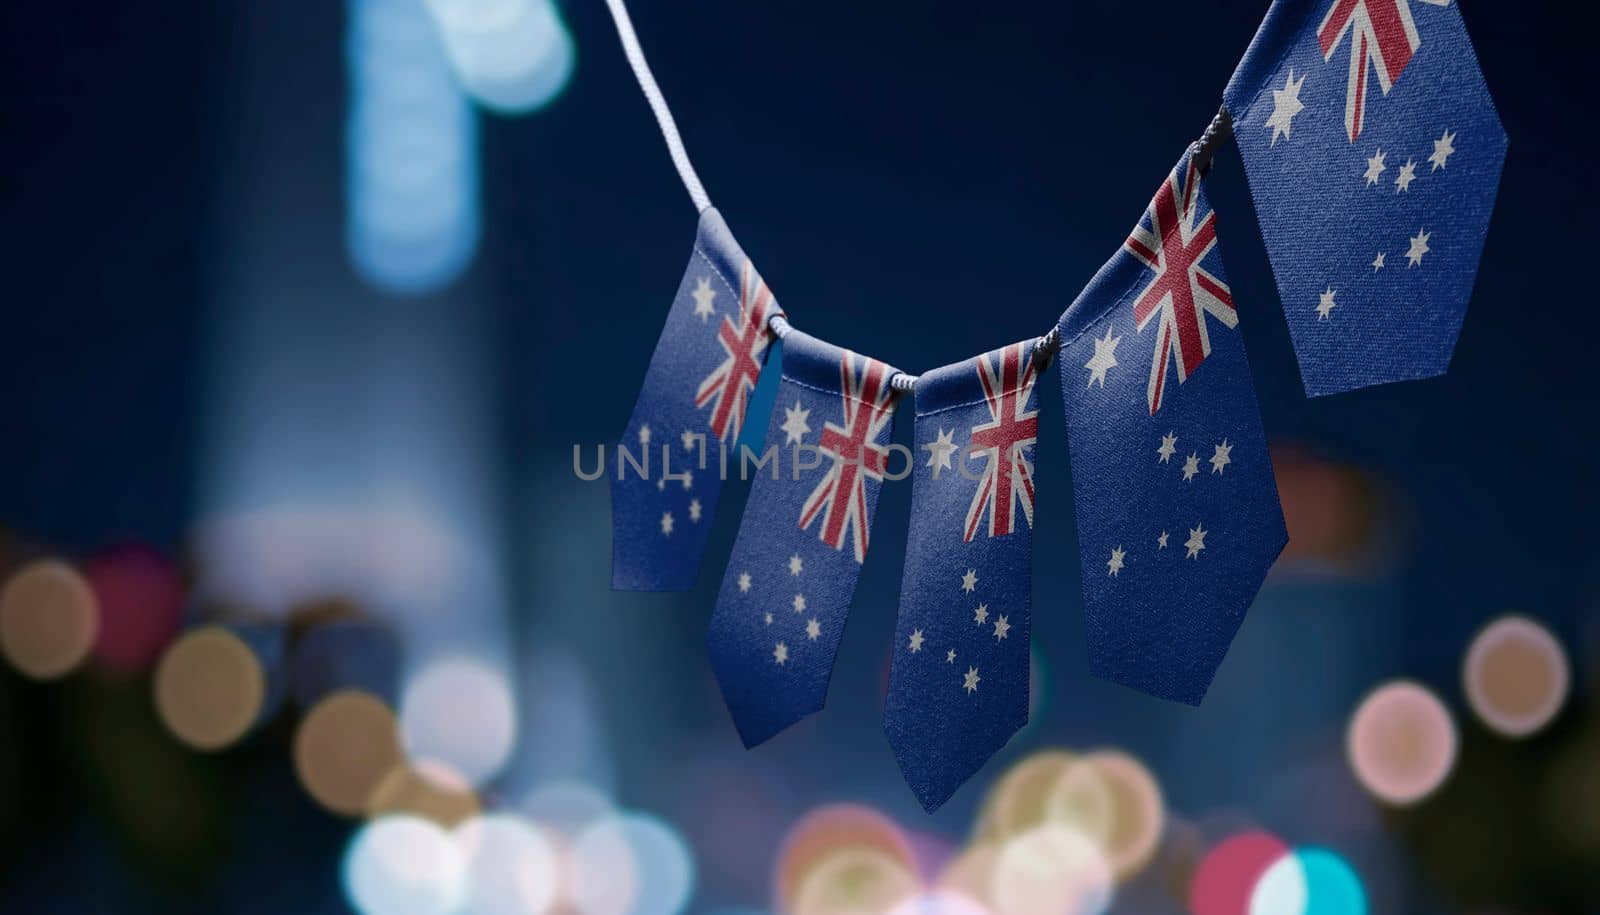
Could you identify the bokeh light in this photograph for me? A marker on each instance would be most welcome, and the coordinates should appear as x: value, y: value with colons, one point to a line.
x: 210, y: 688
x: 566, y: 806
x: 855, y: 881
x: 1333, y: 888
x: 1401, y: 743
x: 831, y: 828
x: 141, y: 595
x: 512, y: 56
x: 1516, y: 676
x: 426, y: 788
x: 940, y: 902
x: 49, y: 619
x: 512, y: 869
x: 1135, y: 813
x: 1020, y: 799
x: 345, y: 654
x: 344, y: 748
x: 1282, y: 889
x: 412, y: 152
x: 1309, y: 881
x: 1081, y: 799
x: 1051, y: 870
x: 400, y: 865
x: 460, y: 712
x: 631, y: 864
x: 971, y: 873
x: 1227, y: 877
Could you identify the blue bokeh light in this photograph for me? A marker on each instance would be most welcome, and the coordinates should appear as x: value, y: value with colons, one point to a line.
x: 413, y: 210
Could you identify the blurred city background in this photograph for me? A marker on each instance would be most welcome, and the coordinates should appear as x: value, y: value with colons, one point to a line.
x: 304, y: 609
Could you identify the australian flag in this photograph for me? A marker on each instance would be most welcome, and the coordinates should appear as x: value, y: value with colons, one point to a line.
x: 1177, y: 510
x: 787, y: 590
x: 667, y: 469
x: 958, y: 681
x: 1373, y: 152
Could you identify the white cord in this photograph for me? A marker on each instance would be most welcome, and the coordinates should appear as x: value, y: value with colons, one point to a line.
x: 1215, y: 135
x: 658, y: 104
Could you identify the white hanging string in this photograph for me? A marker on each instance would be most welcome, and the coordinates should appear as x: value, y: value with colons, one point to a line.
x: 658, y: 104
x: 1215, y: 134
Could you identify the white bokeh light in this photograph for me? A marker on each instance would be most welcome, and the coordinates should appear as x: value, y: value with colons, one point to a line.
x: 512, y: 56
x: 404, y: 865
x: 460, y: 712
x: 512, y: 869
x: 631, y: 864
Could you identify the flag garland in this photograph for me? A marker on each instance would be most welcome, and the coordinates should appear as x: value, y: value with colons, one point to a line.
x: 1176, y: 505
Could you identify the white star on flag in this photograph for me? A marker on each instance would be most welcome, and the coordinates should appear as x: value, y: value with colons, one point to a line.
x: 969, y: 682
x: 1326, y: 304
x: 969, y: 581
x: 780, y: 653
x: 1408, y: 174
x: 1114, y: 564
x: 795, y: 564
x: 1419, y: 247
x: 939, y: 451
x: 1196, y: 541
x: 799, y: 603
x: 666, y: 524
x: 644, y: 434
x: 981, y: 615
x: 794, y: 425
x: 950, y: 656
x: 1191, y: 466
x: 744, y: 582
x: 916, y: 641
x: 1377, y: 262
x: 704, y: 295
x: 1169, y: 447
x: 688, y: 438
x: 1375, y: 167
x: 1001, y: 627
x: 1161, y: 542
x: 1443, y: 149
x: 813, y: 629
x: 1221, y: 459
x: 694, y: 509
x: 1285, y: 105
x: 1104, y: 359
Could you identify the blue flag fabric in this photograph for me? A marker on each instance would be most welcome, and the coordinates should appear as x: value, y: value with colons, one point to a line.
x: 1177, y: 510
x: 1373, y: 153
x: 958, y: 682
x: 666, y: 475
x: 787, y: 590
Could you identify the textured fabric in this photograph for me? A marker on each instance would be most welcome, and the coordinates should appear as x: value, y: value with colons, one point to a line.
x: 958, y: 684
x: 1373, y: 153
x: 1177, y: 511
x: 665, y: 472
x: 787, y: 590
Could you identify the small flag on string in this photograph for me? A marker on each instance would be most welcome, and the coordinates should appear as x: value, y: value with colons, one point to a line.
x: 1373, y: 152
x: 667, y: 475
x: 787, y: 590
x: 958, y: 682
x: 1178, y: 516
